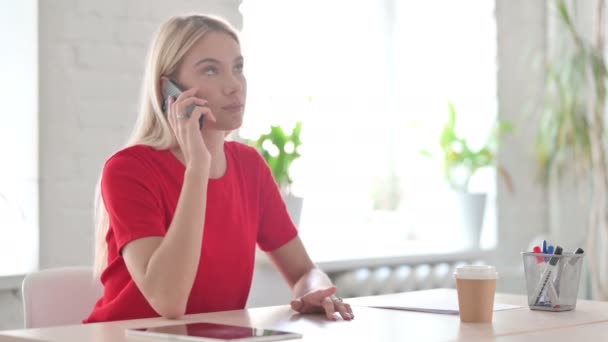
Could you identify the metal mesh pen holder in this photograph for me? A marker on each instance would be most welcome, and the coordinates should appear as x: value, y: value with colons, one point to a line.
x: 552, y: 280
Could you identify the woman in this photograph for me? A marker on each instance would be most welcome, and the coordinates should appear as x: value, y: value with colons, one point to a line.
x: 180, y: 210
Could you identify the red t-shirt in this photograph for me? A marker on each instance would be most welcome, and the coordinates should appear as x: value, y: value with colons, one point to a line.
x: 140, y: 188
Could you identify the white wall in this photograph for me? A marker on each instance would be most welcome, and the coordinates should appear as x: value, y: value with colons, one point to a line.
x: 19, y: 137
x: 522, y: 214
x: 91, y: 57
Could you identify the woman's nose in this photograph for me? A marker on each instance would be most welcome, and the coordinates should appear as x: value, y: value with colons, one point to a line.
x: 234, y: 84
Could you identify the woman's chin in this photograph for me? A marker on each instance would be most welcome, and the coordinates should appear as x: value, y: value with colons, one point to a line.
x: 227, y: 124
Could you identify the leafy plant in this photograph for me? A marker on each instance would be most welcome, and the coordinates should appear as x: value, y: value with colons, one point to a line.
x: 564, y: 135
x: 572, y: 131
x: 280, y: 149
x: 460, y: 162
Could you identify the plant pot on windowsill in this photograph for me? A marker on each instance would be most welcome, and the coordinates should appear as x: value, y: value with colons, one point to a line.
x: 294, y: 207
x: 470, y: 210
x: 280, y: 149
x: 460, y: 162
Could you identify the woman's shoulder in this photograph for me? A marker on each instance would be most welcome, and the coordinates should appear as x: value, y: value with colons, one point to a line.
x: 135, y: 156
x: 243, y: 151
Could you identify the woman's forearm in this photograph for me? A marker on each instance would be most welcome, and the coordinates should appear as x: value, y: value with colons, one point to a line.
x: 172, y: 268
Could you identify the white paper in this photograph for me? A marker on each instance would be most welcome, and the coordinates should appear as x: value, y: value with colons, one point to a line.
x: 445, y: 308
x: 439, y: 301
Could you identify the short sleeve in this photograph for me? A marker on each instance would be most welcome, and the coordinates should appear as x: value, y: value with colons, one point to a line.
x: 132, y: 199
x: 276, y: 226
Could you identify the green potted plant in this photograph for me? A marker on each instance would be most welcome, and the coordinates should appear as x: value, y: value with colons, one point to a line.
x: 280, y: 149
x: 460, y: 162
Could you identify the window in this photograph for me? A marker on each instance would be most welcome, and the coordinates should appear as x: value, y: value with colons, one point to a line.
x: 379, y: 75
x: 19, y: 137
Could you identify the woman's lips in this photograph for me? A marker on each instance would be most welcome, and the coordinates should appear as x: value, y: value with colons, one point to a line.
x: 236, y: 107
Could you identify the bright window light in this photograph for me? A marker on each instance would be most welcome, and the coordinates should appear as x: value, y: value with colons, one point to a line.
x: 371, y: 82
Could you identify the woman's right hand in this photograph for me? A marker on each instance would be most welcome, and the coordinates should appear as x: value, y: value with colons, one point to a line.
x: 187, y: 130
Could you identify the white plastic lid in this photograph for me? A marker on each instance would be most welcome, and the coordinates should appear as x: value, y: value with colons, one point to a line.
x: 476, y: 272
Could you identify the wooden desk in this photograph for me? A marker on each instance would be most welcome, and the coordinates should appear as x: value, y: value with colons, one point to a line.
x: 585, y: 332
x: 370, y: 324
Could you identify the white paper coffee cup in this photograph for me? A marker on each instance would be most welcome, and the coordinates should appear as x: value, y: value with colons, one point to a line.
x: 476, y: 286
x: 476, y: 272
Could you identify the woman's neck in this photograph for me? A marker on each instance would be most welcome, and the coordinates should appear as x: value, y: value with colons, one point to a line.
x: 214, y: 141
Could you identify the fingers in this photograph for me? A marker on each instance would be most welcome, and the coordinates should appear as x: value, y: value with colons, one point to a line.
x: 344, y: 309
x: 297, y: 305
x: 202, y: 111
x: 185, y: 99
x: 349, y: 310
x: 181, y: 107
x: 323, y: 301
x: 302, y: 306
x: 328, y: 306
x: 318, y: 295
x: 188, y: 93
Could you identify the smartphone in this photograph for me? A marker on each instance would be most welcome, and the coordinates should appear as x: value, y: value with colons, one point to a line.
x: 172, y: 89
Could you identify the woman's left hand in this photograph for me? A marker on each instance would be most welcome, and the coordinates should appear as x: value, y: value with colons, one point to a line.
x: 324, y: 300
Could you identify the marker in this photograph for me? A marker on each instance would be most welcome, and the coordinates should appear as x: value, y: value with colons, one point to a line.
x: 549, y: 251
x: 536, y: 249
x: 558, y: 275
x: 563, y: 269
x: 575, y: 260
x: 544, y: 282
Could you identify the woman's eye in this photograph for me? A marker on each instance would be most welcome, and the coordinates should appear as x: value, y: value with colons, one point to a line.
x: 210, y: 71
x: 239, y: 67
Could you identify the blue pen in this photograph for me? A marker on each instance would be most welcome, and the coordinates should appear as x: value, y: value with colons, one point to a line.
x: 544, y: 246
x: 549, y: 251
x: 545, y: 283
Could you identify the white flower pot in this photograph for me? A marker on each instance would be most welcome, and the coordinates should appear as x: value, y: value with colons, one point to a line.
x: 294, y: 207
x: 470, y: 209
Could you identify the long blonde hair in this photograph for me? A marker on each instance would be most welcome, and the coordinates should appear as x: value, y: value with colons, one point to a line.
x: 173, y: 40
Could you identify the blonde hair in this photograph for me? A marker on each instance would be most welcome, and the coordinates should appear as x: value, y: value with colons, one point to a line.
x: 173, y: 40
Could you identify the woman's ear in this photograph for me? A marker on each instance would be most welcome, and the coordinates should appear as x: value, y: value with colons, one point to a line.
x: 163, y: 82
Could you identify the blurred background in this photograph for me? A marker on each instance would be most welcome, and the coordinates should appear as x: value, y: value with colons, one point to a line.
x: 408, y: 136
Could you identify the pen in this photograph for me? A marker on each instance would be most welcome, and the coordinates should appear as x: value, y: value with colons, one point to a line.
x: 540, y: 261
x: 565, y: 266
x: 544, y: 280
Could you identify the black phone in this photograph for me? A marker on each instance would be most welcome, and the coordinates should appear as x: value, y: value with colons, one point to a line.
x: 172, y: 89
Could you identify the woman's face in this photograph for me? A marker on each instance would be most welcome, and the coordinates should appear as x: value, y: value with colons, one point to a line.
x: 214, y: 66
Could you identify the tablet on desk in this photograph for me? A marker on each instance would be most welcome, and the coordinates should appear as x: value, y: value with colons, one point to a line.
x: 199, y: 332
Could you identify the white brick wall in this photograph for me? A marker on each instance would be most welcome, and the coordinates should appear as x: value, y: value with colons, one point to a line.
x: 91, y: 62
x: 91, y: 56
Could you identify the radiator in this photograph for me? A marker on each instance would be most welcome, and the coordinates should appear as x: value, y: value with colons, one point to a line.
x: 369, y: 281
